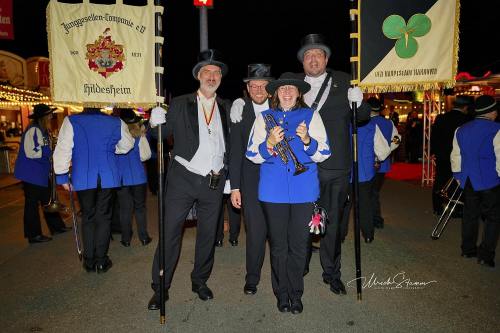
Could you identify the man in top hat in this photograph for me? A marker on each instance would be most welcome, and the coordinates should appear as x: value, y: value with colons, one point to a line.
x: 443, y: 129
x: 393, y: 139
x: 33, y: 166
x: 244, y: 174
x: 197, y: 172
x: 88, y: 142
x: 332, y: 96
x: 475, y: 162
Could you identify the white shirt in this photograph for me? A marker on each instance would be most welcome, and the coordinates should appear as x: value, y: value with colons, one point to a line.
x: 316, y: 83
x: 258, y: 108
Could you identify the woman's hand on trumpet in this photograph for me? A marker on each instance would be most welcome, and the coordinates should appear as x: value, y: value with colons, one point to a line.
x: 276, y: 135
x: 303, y: 134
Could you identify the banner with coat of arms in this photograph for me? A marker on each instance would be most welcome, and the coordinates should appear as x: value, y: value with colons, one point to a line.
x: 101, y: 54
x: 407, y: 45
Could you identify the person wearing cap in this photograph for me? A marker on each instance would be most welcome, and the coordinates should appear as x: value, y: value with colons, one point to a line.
x: 286, y: 195
x: 87, y: 143
x: 244, y: 174
x: 443, y: 131
x: 132, y: 193
x: 32, y: 167
x: 199, y: 125
x: 393, y: 139
x: 475, y: 163
x: 373, y: 147
x: 332, y: 97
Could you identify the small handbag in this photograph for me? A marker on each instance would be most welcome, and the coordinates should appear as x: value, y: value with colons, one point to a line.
x: 319, y: 219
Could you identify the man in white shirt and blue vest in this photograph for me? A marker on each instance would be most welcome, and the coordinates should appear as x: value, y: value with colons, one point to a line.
x: 475, y: 163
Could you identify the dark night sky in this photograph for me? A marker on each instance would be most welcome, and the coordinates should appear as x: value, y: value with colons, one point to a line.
x: 266, y: 31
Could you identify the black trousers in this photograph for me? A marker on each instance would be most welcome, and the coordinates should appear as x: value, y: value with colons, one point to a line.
x: 234, y: 215
x: 479, y: 204
x: 133, y: 202
x: 288, y: 237
x: 256, y: 232
x: 96, y: 206
x: 378, y: 181
x: 334, y: 185
x: 34, y: 195
x: 443, y: 174
x: 183, y: 189
x: 365, y: 210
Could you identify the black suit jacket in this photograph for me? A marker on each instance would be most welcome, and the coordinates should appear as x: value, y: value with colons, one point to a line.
x: 182, y: 124
x: 242, y: 172
x: 336, y: 114
x: 443, y: 131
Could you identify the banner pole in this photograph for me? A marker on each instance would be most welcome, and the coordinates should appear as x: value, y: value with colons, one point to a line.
x: 355, y: 176
x: 161, y: 166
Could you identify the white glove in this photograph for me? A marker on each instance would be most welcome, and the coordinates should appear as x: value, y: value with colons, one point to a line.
x: 157, y: 116
x: 355, y: 95
x: 237, y: 110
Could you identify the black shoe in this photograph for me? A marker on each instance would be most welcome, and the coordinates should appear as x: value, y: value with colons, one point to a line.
x: 146, y: 241
x: 60, y: 230
x: 155, y: 303
x: 39, y: 239
x: 368, y: 240
x: 469, y: 255
x: 283, y: 304
x: 104, y: 267
x: 337, y: 287
x: 233, y: 242
x: 204, y: 293
x: 125, y: 243
x: 314, y: 248
x: 89, y: 266
x: 250, y: 289
x: 218, y: 243
x: 296, y: 307
x: 489, y: 263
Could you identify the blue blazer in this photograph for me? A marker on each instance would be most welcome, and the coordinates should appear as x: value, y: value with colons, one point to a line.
x: 131, y: 168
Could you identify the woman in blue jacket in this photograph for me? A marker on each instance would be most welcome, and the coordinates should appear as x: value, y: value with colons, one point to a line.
x: 286, y: 195
x: 33, y: 167
x: 132, y: 194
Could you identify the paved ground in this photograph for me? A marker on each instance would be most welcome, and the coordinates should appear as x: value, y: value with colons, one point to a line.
x: 413, y: 284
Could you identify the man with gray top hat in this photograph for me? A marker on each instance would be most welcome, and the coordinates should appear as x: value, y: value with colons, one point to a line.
x: 197, y: 172
x: 475, y: 162
x: 244, y: 174
x: 442, y: 131
x: 332, y: 96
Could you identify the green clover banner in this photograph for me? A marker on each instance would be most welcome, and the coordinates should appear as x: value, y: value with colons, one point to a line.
x: 407, y: 45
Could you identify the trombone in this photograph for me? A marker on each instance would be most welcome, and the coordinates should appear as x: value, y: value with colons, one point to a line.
x: 452, y: 186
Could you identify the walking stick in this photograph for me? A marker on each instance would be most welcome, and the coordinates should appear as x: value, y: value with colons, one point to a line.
x: 159, y: 147
x: 76, y: 230
x: 355, y: 176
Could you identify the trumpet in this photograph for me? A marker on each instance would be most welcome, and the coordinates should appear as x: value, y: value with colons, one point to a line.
x: 452, y: 202
x: 283, y: 148
x: 54, y: 205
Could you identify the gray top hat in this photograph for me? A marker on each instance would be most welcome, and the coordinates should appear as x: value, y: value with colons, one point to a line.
x: 209, y: 57
x: 312, y: 41
x: 41, y: 110
x: 259, y: 72
x: 288, y: 79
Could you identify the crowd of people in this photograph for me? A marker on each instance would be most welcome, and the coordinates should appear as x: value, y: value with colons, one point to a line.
x: 282, y: 148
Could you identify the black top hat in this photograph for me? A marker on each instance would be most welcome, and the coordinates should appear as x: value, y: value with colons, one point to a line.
x: 288, y: 79
x: 313, y: 41
x: 374, y: 103
x: 209, y: 57
x: 259, y: 72
x: 41, y: 110
x: 129, y: 116
x: 485, y: 104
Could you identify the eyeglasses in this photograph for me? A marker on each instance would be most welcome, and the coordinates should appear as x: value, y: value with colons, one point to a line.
x: 257, y: 87
x: 285, y: 88
x: 217, y: 72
